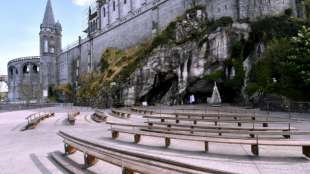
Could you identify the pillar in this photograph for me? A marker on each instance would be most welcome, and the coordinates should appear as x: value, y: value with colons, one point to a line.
x: 89, y: 160
x: 167, y: 142
x: 69, y: 149
x: 115, y: 134
x: 206, y: 146
x: 137, y: 138
x: 254, y: 149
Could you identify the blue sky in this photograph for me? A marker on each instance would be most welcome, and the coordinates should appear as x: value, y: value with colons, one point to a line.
x: 20, y: 25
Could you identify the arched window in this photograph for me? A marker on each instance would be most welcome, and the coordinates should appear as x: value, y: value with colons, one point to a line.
x: 36, y: 69
x: 26, y: 69
x: 11, y: 71
x: 45, y: 46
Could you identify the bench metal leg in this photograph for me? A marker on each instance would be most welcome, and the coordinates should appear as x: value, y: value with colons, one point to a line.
x: 239, y: 124
x: 115, y: 134
x: 254, y: 149
x: 150, y: 124
x: 167, y: 142
x: 127, y: 171
x: 206, y: 146
x: 177, y: 121
x: 137, y: 138
x: 306, y: 151
x: 215, y: 123
x: 89, y: 160
x: 265, y: 124
x: 69, y: 149
x: 162, y: 120
x: 195, y: 121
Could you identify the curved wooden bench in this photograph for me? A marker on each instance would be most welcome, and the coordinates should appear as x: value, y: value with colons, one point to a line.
x: 69, y: 165
x: 129, y: 160
x: 252, y: 142
x: 120, y: 113
x: 205, y: 132
x: 99, y: 116
x: 265, y: 123
x: 219, y: 126
x: 34, y: 119
x: 142, y: 110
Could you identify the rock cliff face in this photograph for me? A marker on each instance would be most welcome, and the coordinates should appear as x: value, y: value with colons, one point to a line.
x: 173, y: 72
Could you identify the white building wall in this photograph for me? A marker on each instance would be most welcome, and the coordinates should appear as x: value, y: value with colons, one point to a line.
x: 113, y: 11
x: 125, y: 7
x: 104, y: 15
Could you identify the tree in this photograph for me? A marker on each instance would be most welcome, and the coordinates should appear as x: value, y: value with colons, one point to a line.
x: 299, y: 60
x: 307, y: 6
x: 285, y: 67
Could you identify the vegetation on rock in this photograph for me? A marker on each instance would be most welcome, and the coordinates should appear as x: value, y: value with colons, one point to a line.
x: 285, y: 67
x: 282, y: 69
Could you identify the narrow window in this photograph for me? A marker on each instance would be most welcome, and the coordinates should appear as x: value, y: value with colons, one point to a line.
x: 104, y: 12
x: 45, y: 46
x: 113, y: 5
x: 125, y: 1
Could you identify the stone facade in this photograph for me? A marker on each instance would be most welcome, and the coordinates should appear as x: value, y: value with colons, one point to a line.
x: 23, y: 78
x: 50, y: 47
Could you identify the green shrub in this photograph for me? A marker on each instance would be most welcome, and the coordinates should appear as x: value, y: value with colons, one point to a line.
x: 251, y: 88
x: 215, y: 76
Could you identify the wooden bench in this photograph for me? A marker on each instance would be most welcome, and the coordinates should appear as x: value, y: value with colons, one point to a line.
x: 204, y: 132
x: 265, y: 123
x: 131, y: 161
x: 72, y: 117
x: 120, y: 113
x: 142, y: 110
x: 219, y: 126
x: 34, y: 119
x: 252, y: 142
x: 99, y: 116
x: 69, y: 165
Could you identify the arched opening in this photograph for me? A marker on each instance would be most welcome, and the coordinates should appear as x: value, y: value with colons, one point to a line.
x: 35, y: 69
x: 11, y: 71
x: 26, y: 69
x: 45, y: 46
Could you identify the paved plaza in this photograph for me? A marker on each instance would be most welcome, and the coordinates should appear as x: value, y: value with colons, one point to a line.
x: 28, y: 151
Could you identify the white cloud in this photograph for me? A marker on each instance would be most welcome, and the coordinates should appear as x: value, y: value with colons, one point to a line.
x: 82, y: 2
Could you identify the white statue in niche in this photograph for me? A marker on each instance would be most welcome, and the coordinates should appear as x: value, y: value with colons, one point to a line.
x: 216, y: 97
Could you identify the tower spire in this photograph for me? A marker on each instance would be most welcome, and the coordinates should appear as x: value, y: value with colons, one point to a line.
x: 48, y: 19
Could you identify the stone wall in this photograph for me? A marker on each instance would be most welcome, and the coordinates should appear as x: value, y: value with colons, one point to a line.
x: 127, y: 32
x: 137, y: 21
x: 22, y: 74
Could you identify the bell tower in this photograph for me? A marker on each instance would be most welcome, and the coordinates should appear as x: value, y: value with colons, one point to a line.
x: 50, y: 47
